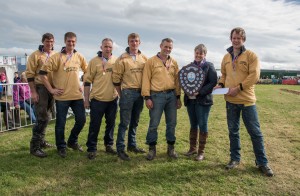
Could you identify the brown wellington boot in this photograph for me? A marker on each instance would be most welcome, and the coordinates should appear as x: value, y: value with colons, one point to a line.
x: 202, y: 141
x: 193, y: 142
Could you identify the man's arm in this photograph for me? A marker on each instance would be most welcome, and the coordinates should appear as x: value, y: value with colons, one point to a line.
x: 34, y: 94
x: 47, y: 84
x: 87, y: 90
x: 117, y: 75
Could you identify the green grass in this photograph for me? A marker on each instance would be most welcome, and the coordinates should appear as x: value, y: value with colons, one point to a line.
x: 279, y: 112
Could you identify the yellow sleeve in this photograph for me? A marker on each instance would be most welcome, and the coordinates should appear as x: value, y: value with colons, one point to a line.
x: 91, y: 72
x: 84, y: 64
x: 31, y: 67
x: 52, y: 64
x: 118, y: 71
x: 223, y: 71
x: 146, y: 81
x: 254, y: 71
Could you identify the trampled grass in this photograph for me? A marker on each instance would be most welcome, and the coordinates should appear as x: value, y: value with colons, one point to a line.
x: 279, y: 112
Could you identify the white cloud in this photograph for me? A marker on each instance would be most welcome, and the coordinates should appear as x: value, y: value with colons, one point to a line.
x: 272, y: 27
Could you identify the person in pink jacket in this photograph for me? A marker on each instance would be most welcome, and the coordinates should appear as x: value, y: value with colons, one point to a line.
x: 22, y: 97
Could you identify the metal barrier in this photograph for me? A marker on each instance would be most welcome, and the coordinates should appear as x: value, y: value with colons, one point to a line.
x: 17, y: 109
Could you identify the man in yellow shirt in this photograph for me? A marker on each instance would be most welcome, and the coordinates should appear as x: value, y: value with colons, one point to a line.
x: 162, y: 93
x: 66, y: 89
x: 42, y: 98
x: 102, y: 100
x: 127, y: 78
x: 240, y: 72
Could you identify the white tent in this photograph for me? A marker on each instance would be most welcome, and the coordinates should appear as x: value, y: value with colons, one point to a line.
x: 8, y: 64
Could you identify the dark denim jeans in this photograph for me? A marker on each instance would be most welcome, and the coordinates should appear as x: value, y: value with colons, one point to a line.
x: 162, y: 102
x: 98, y: 110
x: 62, y: 108
x: 250, y: 119
x: 131, y: 105
x: 198, y: 115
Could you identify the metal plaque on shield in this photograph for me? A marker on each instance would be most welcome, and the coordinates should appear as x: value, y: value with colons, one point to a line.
x: 191, y: 79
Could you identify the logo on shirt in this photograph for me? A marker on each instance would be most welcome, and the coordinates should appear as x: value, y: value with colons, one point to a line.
x: 69, y: 69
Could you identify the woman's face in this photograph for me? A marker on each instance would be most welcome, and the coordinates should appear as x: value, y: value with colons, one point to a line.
x: 23, y: 78
x: 199, y: 55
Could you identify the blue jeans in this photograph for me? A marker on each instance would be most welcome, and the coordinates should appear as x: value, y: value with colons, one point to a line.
x: 162, y: 102
x: 131, y: 105
x: 62, y: 108
x: 250, y: 119
x: 198, y: 115
x: 98, y: 110
x: 29, y: 110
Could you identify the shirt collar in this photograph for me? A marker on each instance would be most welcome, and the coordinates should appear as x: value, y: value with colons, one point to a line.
x: 63, y: 50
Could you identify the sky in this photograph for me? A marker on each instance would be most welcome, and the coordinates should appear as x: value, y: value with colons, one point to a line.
x: 272, y: 27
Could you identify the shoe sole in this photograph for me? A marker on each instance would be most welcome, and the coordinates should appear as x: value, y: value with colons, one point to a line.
x: 39, y: 156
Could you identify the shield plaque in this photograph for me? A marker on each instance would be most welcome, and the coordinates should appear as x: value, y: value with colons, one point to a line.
x: 191, y: 79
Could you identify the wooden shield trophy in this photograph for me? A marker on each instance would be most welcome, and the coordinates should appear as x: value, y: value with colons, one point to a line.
x: 191, y: 79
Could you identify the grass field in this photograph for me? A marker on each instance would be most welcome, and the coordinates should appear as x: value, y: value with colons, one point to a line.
x: 279, y: 112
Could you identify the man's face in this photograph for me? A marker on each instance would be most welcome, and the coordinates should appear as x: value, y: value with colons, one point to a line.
x: 237, y: 40
x: 166, y: 48
x: 199, y: 55
x: 48, y: 44
x: 107, y: 47
x: 70, y: 43
x: 134, y: 43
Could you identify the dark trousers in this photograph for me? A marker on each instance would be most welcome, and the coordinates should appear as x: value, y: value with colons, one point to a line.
x: 98, y: 110
x: 42, y: 109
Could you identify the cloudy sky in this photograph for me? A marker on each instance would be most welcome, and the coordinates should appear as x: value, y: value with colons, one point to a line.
x: 272, y: 27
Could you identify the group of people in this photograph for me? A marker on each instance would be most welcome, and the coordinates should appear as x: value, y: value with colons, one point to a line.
x: 21, y: 99
x: 132, y: 79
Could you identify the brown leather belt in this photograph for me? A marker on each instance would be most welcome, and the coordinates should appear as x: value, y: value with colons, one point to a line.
x: 134, y: 89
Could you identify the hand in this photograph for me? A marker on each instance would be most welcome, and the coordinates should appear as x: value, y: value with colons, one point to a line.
x: 57, y: 92
x: 178, y: 104
x: 149, y: 104
x: 195, y: 94
x: 34, y: 97
x: 233, y: 91
x: 218, y: 86
x: 80, y: 90
x: 86, y: 104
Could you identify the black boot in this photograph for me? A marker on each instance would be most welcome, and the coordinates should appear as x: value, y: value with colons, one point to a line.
x: 152, y: 153
x: 36, y: 150
x: 171, y: 151
x: 44, y: 144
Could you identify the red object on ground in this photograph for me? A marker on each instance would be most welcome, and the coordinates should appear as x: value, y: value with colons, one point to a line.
x: 290, y: 82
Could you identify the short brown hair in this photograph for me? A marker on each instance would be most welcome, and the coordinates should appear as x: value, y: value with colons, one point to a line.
x: 166, y: 40
x: 201, y: 48
x: 133, y: 36
x: 69, y: 35
x: 239, y: 31
x: 47, y: 36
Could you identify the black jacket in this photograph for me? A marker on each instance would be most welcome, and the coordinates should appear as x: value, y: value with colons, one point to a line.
x: 205, y: 97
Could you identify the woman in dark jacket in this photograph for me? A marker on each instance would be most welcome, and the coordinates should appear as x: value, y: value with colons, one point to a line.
x: 198, y: 105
